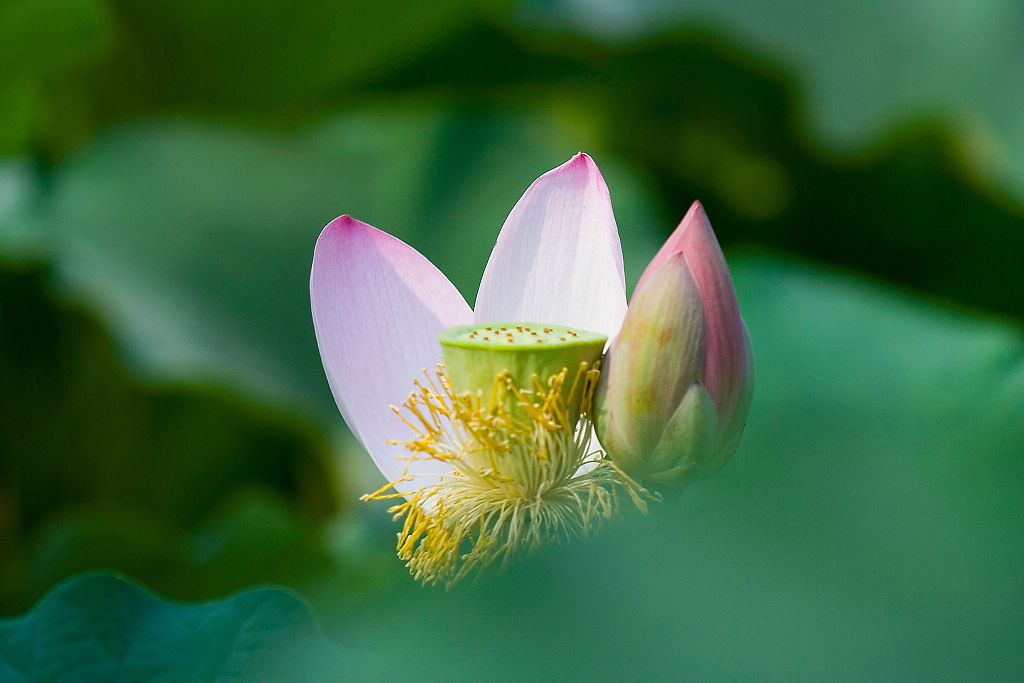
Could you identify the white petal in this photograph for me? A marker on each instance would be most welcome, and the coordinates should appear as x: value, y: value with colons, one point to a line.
x: 378, y: 306
x: 558, y: 258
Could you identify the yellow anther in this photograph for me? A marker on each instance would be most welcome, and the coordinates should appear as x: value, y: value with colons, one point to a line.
x: 517, y: 481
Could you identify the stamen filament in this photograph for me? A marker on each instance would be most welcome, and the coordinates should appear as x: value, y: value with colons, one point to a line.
x: 523, y: 474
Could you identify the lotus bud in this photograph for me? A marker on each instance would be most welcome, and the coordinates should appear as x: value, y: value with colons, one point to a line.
x: 678, y: 380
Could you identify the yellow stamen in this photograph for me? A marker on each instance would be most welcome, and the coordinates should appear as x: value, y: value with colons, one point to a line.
x: 518, y: 481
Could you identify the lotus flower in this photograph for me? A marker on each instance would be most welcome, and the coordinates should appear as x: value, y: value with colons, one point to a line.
x: 493, y: 465
x: 492, y: 453
x: 678, y: 380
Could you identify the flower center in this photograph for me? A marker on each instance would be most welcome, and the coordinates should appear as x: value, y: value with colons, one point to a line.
x: 509, y: 412
x: 527, y: 353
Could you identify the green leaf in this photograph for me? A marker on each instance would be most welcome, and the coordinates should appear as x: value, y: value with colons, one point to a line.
x: 101, y: 627
x: 253, y: 536
x: 101, y: 470
x: 76, y: 425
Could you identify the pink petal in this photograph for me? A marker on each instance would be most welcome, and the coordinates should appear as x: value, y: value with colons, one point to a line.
x: 558, y: 258
x: 725, y: 364
x: 378, y: 306
x: 732, y: 430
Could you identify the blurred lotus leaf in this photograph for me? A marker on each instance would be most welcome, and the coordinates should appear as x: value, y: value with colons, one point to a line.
x: 101, y: 627
x: 77, y: 430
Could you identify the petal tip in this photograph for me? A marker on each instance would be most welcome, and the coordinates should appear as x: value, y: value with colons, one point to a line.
x: 339, y: 224
x: 345, y: 222
x: 580, y: 165
x: 582, y: 159
x: 672, y: 260
x: 695, y: 216
x: 335, y: 244
x: 681, y: 240
x: 581, y: 168
x: 346, y: 227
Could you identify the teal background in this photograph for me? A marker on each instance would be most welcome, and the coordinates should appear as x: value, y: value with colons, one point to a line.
x: 166, y: 167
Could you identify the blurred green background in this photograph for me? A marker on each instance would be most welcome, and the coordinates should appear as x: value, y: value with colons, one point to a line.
x: 166, y: 167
